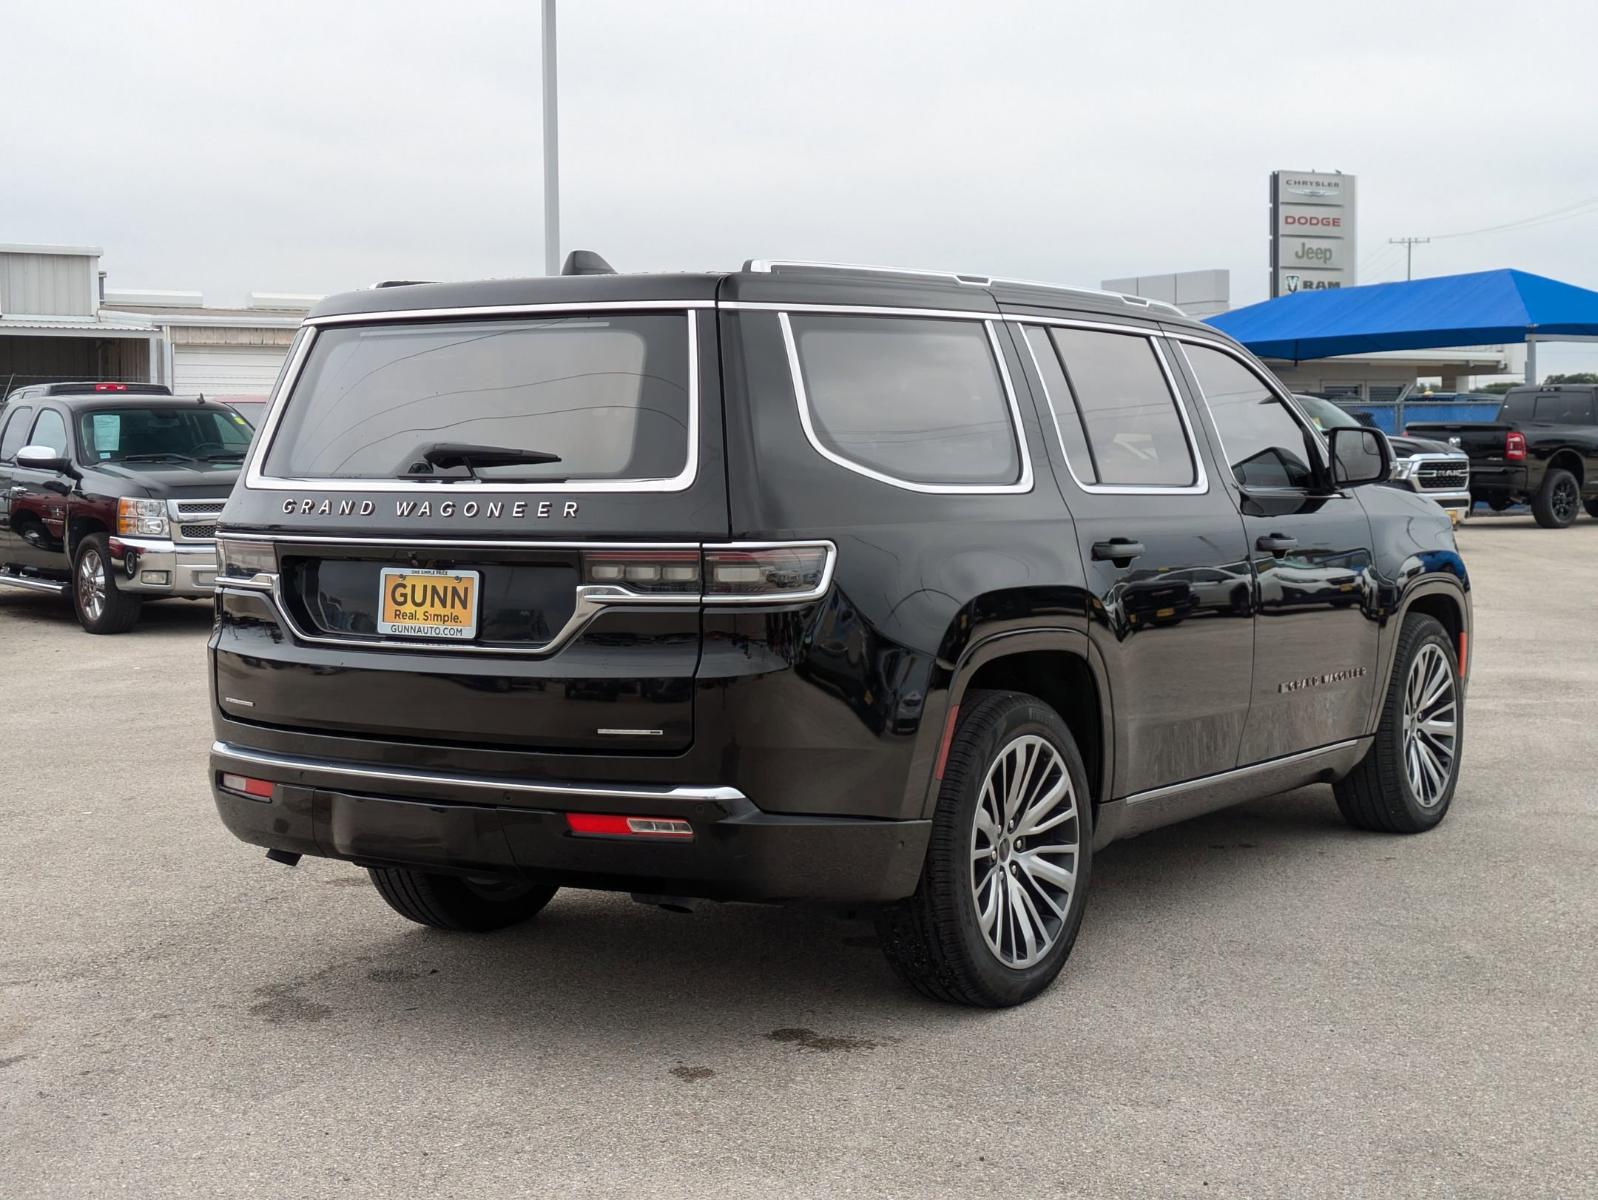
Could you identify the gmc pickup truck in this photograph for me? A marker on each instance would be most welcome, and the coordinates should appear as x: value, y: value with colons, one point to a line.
x: 1543, y: 448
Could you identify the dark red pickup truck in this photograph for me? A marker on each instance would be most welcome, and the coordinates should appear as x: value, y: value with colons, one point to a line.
x: 1543, y: 449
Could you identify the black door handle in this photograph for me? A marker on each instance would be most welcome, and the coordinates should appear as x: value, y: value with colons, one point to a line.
x: 1120, y: 551
x: 1275, y: 543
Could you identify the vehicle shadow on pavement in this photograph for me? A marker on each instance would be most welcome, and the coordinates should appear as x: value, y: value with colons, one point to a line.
x: 593, y: 960
x: 21, y: 610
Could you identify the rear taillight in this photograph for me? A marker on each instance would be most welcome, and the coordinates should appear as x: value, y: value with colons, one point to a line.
x: 616, y: 825
x: 649, y: 571
x: 1514, y: 446
x: 745, y: 571
x: 766, y: 571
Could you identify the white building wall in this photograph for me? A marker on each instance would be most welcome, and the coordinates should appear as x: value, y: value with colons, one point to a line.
x: 42, y: 282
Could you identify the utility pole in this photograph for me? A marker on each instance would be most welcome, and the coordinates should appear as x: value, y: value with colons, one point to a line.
x: 1408, y: 244
x: 551, y: 149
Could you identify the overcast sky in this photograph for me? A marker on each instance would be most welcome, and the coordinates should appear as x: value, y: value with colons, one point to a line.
x: 314, y: 147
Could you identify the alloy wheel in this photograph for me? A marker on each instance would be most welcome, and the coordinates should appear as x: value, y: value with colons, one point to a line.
x: 1431, y: 725
x: 91, y: 584
x: 1564, y: 500
x: 1025, y: 842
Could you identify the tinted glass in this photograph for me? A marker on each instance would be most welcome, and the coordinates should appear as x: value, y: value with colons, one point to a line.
x: 608, y: 396
x: 1127, y: 408
x: 1264, y: 445
x: 1324, y: 415
x: 162, y: 435
x: 49, y: 430
x: 1564, y: 408
x: 1067, y: 420
x: 913, y: 398
x: 15, y: 434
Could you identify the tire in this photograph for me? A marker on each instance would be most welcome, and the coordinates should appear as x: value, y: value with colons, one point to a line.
x: 457, y: 903
x: 1591, y: 505
x: 935, y: 940
x: 1389, y: 792
x: 1558, y: 500
x: 100, y: 607
x: 1498, y: 501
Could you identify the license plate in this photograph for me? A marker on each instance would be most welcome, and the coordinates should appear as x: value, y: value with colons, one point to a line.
x: 428, y: 604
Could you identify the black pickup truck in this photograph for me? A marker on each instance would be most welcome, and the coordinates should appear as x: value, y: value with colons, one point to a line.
x: 110, y: 493
x: 1543, y: 448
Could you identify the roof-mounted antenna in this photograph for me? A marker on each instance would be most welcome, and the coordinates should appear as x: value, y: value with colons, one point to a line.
x: 586, y: 262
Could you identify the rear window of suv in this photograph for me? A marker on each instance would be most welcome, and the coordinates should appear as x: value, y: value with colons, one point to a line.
x: 607, y: 397
x: 917, y: 400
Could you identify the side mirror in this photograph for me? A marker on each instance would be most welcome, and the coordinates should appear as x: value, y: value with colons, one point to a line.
x: 1359, y: 456
x: 44, y: 458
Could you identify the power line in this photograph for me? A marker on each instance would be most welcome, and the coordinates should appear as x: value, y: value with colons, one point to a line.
x: 1557, y: 214
x: 1409, y: 244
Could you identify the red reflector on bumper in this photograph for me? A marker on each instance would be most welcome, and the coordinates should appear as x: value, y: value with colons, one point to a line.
x: 260, y: 788
x: 609, y: 825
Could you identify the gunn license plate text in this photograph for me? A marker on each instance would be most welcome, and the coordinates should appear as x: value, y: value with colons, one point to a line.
x: 433, y: 604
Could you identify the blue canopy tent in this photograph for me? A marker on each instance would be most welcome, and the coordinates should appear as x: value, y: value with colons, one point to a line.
x: 1481, y: 308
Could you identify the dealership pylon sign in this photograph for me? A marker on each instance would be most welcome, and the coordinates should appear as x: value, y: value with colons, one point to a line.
x: 1312, y: 231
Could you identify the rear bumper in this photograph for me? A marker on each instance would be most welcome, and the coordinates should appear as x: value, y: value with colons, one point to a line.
x: 1487, y: 479
x: 483, y: 824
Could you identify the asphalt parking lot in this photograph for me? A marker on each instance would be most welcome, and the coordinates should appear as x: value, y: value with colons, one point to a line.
x: 1262, y: 1002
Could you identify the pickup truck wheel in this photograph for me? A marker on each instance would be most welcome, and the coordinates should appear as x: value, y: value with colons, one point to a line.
x: 1591, y: 505
x: 1405, y: 782
x: 101, y: 608
x: 1003, y: 889
x: 458, y: 903
x: 1558, y: 500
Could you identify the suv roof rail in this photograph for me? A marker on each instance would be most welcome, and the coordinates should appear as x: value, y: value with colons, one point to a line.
x: 772, y: 265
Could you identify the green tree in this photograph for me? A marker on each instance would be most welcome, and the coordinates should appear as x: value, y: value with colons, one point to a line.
x: 1498, y: 389
x: 1576, y: 377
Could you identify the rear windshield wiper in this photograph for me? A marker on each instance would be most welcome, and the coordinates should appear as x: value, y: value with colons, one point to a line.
x: 455, y: 454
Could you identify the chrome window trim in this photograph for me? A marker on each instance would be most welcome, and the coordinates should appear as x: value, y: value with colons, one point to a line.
x: 294, y: 762
x: 1022, y: 484
x: 1272, y: 386
x: 256, y: 480
x: 592, y: 599
x: 1201, y: 480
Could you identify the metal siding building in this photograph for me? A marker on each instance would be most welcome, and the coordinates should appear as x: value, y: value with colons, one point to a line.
x: 58, y: 323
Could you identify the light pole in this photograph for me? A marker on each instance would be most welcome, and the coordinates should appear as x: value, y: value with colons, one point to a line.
x: 551, y: 149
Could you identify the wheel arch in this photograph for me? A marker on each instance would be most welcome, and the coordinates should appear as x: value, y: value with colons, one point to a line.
x: 1059, y: 667
x: 1442, y: 598
x: 1568, y: 458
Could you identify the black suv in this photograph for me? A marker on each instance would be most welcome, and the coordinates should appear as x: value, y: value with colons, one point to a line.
x: 804, y: 583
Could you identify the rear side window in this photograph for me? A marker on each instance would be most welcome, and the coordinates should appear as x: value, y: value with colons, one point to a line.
x: 587, y: 399
x: 1126, y: 409
x: 1265, y: 446
x: 918, y: 400
x: 15, y: 434
x: 1564, y: 408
